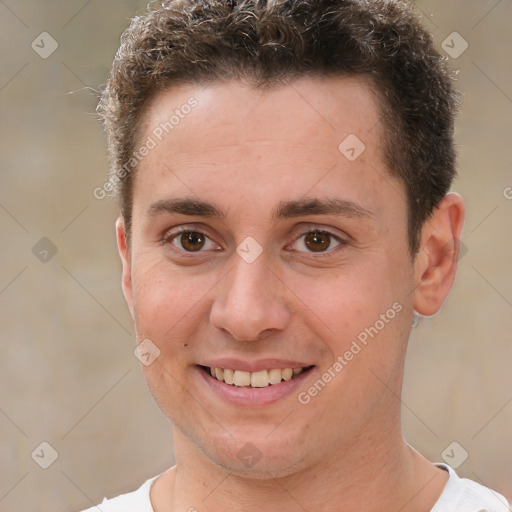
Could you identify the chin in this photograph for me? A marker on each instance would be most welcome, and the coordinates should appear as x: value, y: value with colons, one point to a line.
x: 256, y: 455
x: 260, y: 469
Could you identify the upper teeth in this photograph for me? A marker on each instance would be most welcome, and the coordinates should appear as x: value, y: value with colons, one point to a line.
x: 259, y: 379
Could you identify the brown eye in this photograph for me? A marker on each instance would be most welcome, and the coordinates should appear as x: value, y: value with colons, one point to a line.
x: 192, y: 241
x: 317, y: 241
x: 189, y: 241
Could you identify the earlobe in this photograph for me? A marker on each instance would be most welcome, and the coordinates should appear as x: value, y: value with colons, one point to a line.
x: 436, y: 263
x: 124, y: 253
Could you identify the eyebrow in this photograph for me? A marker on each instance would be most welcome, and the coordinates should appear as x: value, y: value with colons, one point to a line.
x: 185, y: 206
x: 284, y: 210
x: 330, y: 206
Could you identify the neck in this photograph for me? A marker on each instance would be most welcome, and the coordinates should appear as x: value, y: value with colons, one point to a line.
x: 378, y: 471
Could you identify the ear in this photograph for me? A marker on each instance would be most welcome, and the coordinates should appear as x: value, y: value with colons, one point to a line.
x: 124, y: 253
x: 436, y: 262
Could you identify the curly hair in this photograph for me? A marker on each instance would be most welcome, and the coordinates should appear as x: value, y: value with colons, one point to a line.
x: 269, y: 42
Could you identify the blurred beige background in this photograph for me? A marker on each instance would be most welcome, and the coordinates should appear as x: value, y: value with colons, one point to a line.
x: 68, y: 376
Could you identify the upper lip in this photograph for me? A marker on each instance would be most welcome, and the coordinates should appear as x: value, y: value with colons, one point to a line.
x: 253, y: 366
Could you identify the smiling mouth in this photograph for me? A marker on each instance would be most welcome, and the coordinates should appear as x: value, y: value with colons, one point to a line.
x: 259, y: 379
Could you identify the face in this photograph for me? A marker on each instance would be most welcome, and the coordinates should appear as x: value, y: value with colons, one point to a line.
x: 269, y: 240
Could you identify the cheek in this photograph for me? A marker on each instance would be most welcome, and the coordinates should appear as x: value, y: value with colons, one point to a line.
x: 364, y: 315
x: 164, y: 297
x: 349, y: 300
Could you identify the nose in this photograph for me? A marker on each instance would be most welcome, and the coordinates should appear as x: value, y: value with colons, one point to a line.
x: 250, y: 301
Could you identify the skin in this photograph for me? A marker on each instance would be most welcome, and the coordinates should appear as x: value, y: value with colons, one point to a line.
x: 246, y: 151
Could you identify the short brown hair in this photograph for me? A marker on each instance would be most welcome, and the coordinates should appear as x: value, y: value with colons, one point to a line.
x: 268, y: 42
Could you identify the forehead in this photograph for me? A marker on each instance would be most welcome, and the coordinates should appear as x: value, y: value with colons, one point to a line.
x: 236, y: 140
x: 341, y: 105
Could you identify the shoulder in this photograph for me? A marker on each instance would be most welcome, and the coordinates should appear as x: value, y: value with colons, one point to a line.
x: 464, y: 495
x: 135, y: 501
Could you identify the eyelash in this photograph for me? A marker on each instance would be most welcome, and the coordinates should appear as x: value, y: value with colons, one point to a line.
x: 323, y: 254
x: 168, y: 238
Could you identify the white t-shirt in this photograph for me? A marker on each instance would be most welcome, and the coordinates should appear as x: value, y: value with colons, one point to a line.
x: 459, y: 495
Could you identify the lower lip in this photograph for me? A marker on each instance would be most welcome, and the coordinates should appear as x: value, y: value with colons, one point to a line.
x: 251, y: 397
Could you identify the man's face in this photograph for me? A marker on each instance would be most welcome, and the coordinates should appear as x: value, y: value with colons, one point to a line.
x: 265, y: 236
